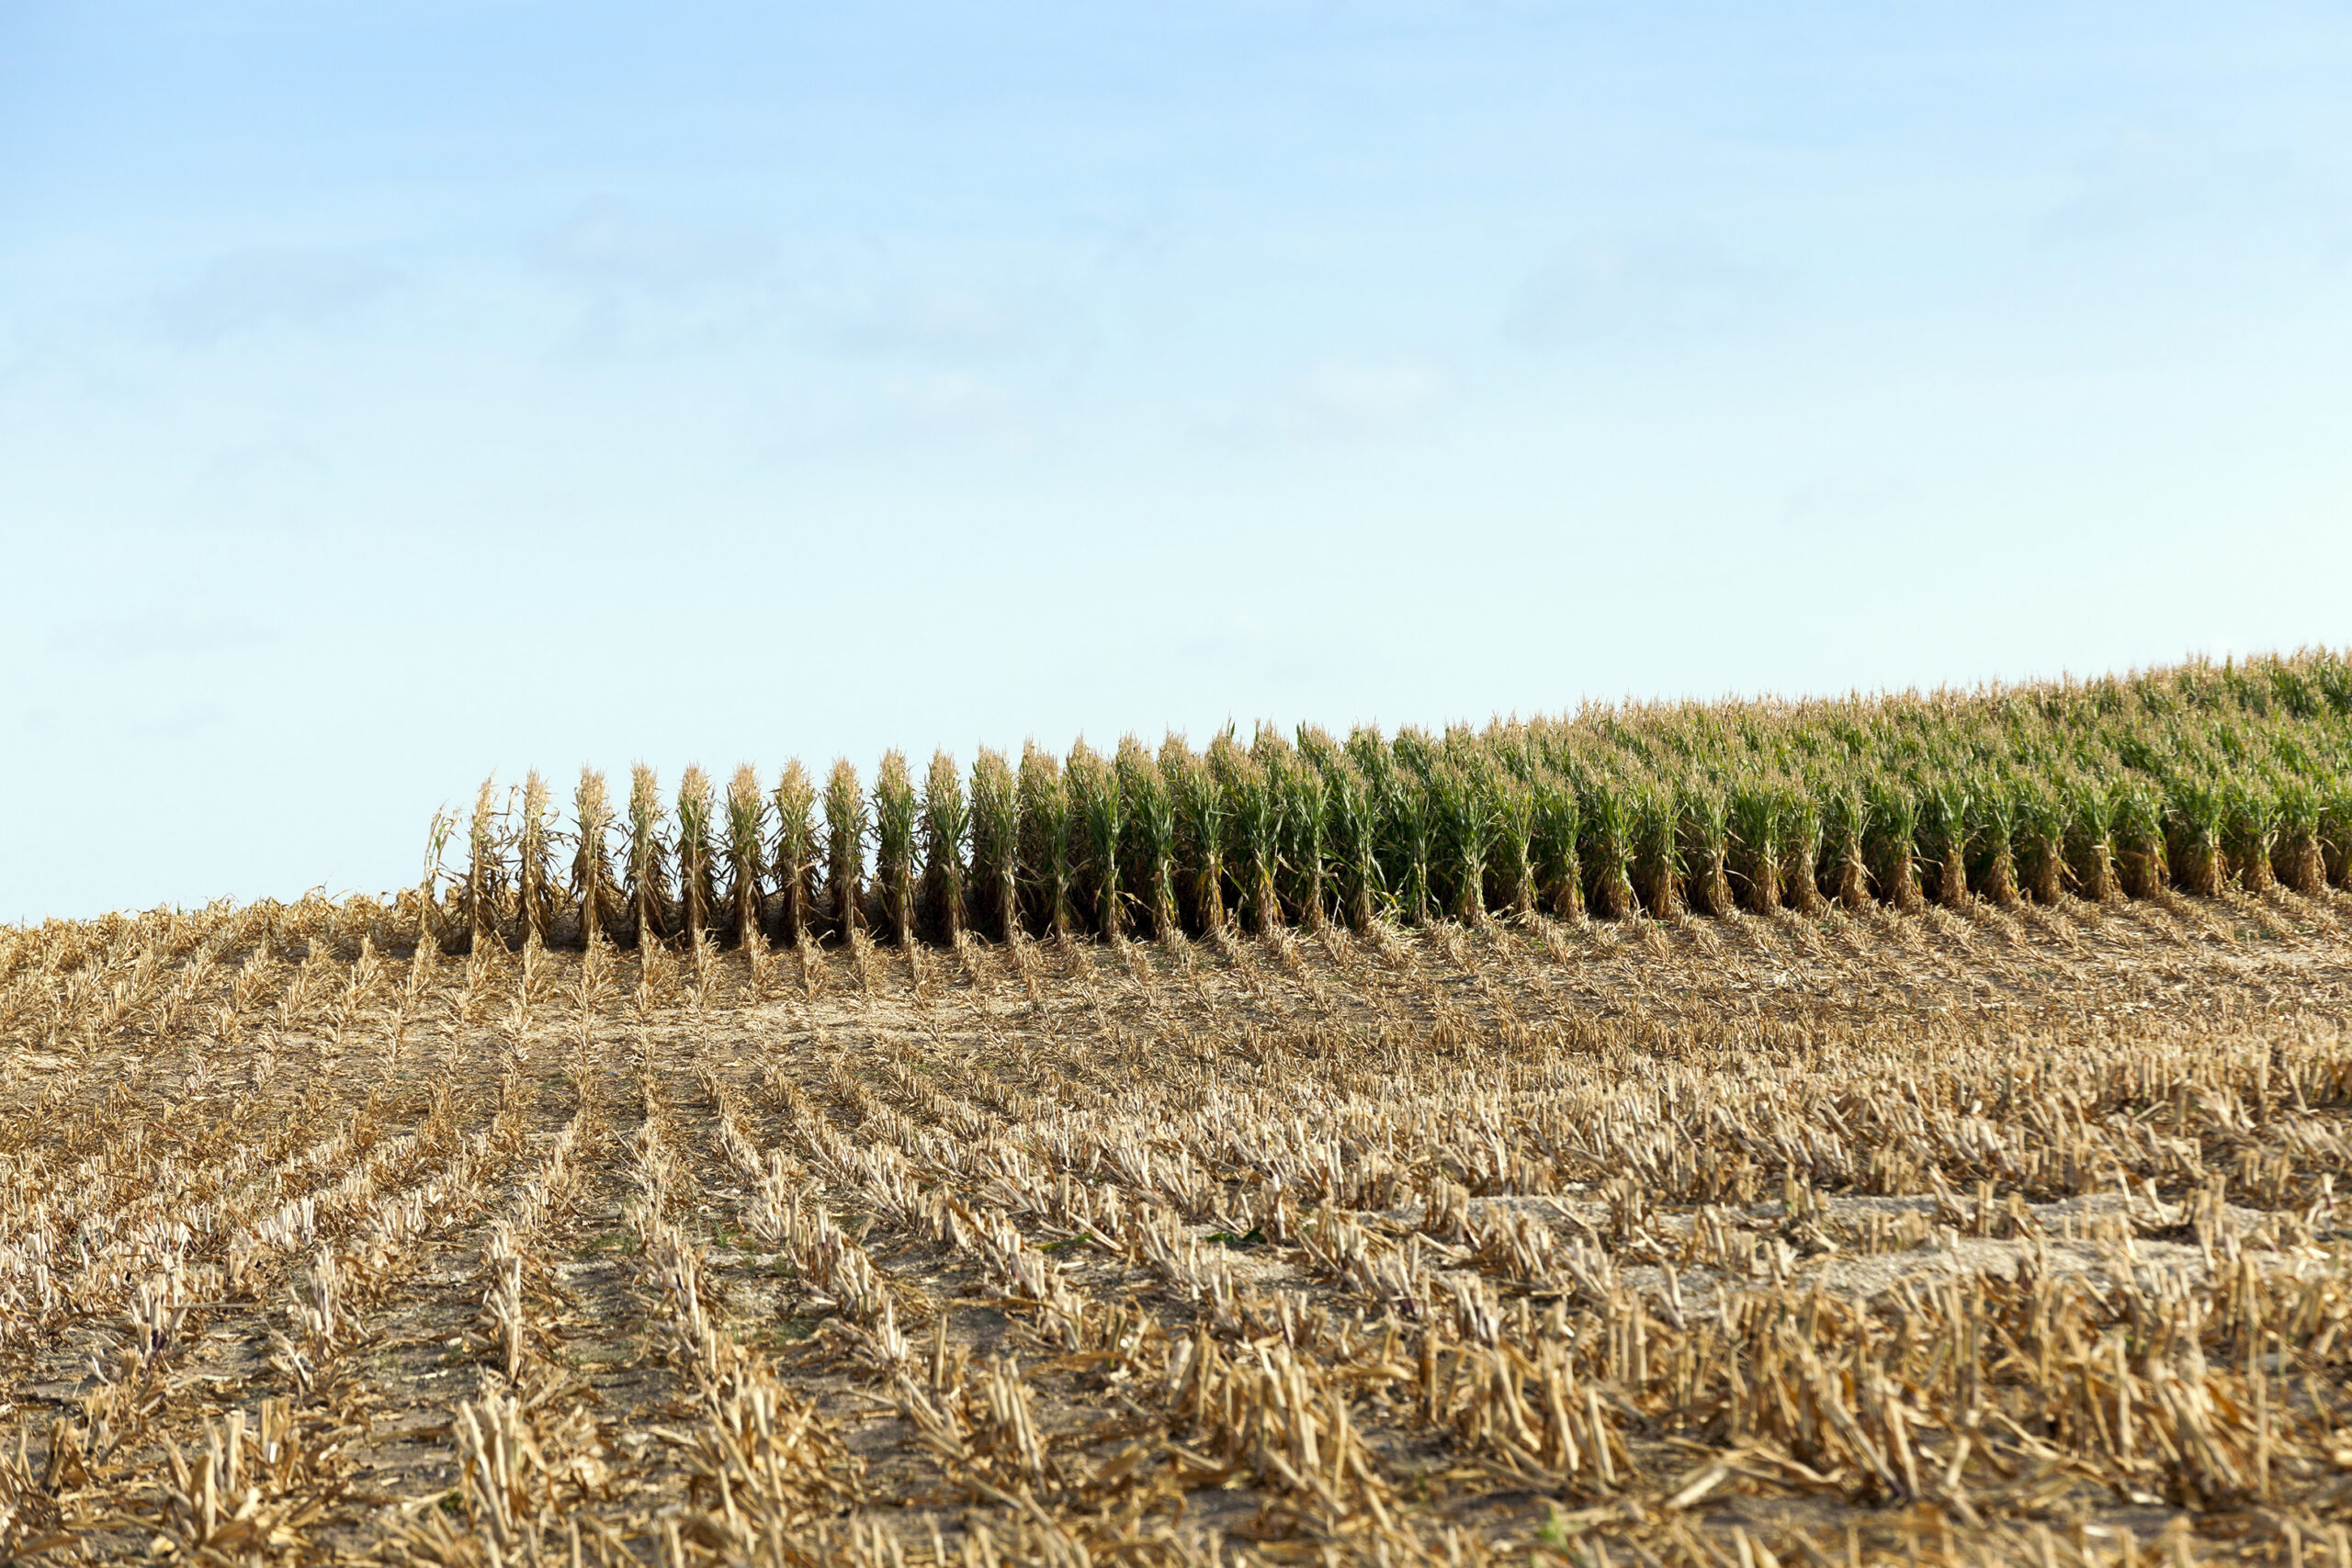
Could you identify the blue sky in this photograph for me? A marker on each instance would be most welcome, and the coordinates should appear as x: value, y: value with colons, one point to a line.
x: 388, y: 398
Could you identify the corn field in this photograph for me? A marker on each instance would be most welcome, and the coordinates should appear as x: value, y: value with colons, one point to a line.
x: 1888, y: 1133
x: 2192, y: 779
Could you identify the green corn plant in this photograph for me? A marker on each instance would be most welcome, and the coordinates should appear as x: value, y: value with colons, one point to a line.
x: 1893, y: 842
x: 1282, y: 767
x: 996, y: 844
x: 2090, y: 836
x: 1510, y: 869
x: 1757, y: 846
x: 1704, y: 829
x: 1307, y: 821
x: 1844, y: 841
x: 796, y: 854
x: 845, y: 850
x: 648, y: 868
x: 432, y: 914
x: 894, y: 844
x: 1801, y: 845
x: 2140, y: 858
x: 2332, y: 678
x: 2041, y: 839
x: 2292, y: 778
x: 2196, y: 816
x: 1199, y: 807
x: 1098, y: 821
x: 1401, y: 839
x: 1372, y: 757
x: 1253, y: 823
x: 946, y: 823
x: 2336, y: 826
x: 593, y: 886
x: 1554, y: 822
x: 697, y: 853
x: 535, y: 860
x: 1412, y: 830
x: 1463, y: 819
x: 2250, y: 831
x: 1944, y: 805
x: 1321, y: 755
x: 1046, y: 848
x: 1657, y: 850
x: 1993, y: 833
x: 1605, y: 813
x: 1149, y: 844
x: 1354, y: 840
x: 745, y: 852
x: 485, y: 884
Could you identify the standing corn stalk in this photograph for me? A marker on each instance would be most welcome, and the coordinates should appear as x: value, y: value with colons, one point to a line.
x: 2140, y: 858
x: 746, y: 853
x: 1706, y: 833
x: 600, y: 907
x: 1306, y: 806
x: 845, y: 850
x: 1893, y: 843
x: 796, y: 853
x: 1253, y: 827
x: 1757, y: 849
x: 485, y: 868
x: 1658, y: 851
x: 1148, y: 847
x: 1801, y: 840
x: 1844, y: 841
x: 1994, y: 829
x: 2301, y: 864
x: 1046, y: 842
x: 648, y: 870
x: 2090, y: 837
x: 996, y: 843
x: 697, y: 853
x: 945, y: 823
x: 429, y: 917
x: 1199, y: 809
x: 2041, y: 838
x: 1554, y: 824
x: 1354, y: 840
x: 2195, y: 812
x: 1099, y: 818
x: 894, y: 844
x: 535, y: 860
x: 2251, y: 831
x: 1606, y: 845
x: 1944, y: 805
x: 1407, y: 809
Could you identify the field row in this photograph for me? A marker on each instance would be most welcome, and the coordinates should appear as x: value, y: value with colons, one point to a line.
x: 1770, y: 1241
x: 2193, y: 779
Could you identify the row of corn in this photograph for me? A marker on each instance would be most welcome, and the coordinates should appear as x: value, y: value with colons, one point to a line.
x: 2196, y: 778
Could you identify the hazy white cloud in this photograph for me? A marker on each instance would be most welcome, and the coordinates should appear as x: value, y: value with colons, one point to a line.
x: 608, y: 244
x: 155, y: 636
x: 2151, y: 179
x: 1849, y: 507
x: 1637, y: 293
x: 948, y: 321
x: 1352, y: 396
x: 274, y: 486
x: 255, y: 289
x: 951, y: 402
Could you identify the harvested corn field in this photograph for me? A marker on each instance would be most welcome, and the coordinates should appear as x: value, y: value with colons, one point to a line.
x: 433, y: 1230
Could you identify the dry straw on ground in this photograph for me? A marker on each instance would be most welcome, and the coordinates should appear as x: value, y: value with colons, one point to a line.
x: 1340, y: 1206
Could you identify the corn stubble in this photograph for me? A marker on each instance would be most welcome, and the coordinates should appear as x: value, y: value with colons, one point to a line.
x: 1952, y: 1241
